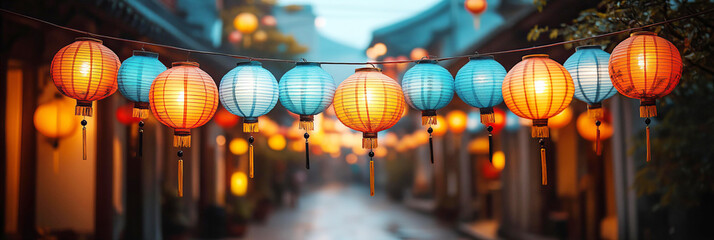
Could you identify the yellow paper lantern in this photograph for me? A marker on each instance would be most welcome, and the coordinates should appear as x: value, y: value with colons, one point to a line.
x: 457, y: 121
x: 562, y: 119
x: 238, y: 146
x: 246, y: 23
x: 239, y: 183
x: 277, y: 142
x: 52, y: 119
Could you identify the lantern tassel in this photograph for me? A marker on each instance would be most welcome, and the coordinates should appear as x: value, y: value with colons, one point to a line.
x: 647, y: 134
x: 371, y: 173
x: 543, y: 166
x: 648, y: 108
x: 540, y: 128
x: 428, y: 117
x: 369, y: 142
x: 431, y: 144
x: 83, y: 108
x: 490, y: 144
x: 307, y: 122
x: 250, y: 127
x: 140, y: 151
x: 307, y: 151
x: 84, y: 139
x: 487, y: 115
x: 250, y: 155
x: 179, y: 174
x: 182, y: 140
x: 598, y: 149
x: 595, y: 112
x: 141, y: 110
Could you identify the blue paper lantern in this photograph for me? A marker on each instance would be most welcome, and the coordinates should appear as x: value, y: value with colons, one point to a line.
x: 478, y: 83
x: 135, y: 77
x: 307, y: 90
x: 428, y: 87
x: 512, y: 121
x: 473, y: 122
x: 589, y: 68
x: 249, y: 91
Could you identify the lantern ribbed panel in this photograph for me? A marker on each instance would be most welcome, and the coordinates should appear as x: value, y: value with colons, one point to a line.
x: 588, y: 68
x: 137, y: 73
x: 645, y: 66
x: 249, y: 90
x: 537, y: 87
x: 478, y: 83
x: 85, y: 70
x: 183, y: 97
x: 369, y: 101
x: 307, y: 89
x: 428, y: 86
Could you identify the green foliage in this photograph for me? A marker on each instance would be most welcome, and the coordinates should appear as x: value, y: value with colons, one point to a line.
x: 682, y: 169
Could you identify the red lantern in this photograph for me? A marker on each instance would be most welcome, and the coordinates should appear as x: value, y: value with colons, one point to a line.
x: 225, y: 119
x: 500, y: 120
x: 125, y: 114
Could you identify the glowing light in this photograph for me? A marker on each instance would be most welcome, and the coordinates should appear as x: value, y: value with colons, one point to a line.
x: 320, y: 22
x: 220, y: 140
x: 457, y: 121
x: 351, y: 158
x: 239, y: 184
x: 238, y: 146
x: 277, y: 142
x: 499, y: 160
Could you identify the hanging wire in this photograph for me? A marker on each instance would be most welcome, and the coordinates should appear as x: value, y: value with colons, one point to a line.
x: 5, y: 11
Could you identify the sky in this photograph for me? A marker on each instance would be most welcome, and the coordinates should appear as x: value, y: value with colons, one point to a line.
x: 352, y: 22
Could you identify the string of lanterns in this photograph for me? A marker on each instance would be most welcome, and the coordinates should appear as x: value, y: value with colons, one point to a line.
x: 183, y: 97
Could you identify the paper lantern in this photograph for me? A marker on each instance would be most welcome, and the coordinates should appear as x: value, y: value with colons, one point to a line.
x: 457, y: 121
x: 428, y: 87
x: 369, y: 101
x: 538, y: 88
x: 307, y: 90
x: 53, y: 120
x: 238, y: 146
x: 246, y: 23
x: 225, y: 119
x: 597, y: 131
x: 269, y: 21
x: 646, y: 67
x: 418, y: 53
x: 499, y: 160
x: 135, y: 77
x: 277, y: 142
x: 183, y: 97
x: 249, y: 91
x: 561, y: 119
x: 125, y: 114
x: 85, y: 70
x: 239, y: 184
x: 588, y: 67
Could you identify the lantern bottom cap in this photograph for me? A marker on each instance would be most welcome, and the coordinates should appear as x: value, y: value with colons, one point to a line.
x: 595, y: 113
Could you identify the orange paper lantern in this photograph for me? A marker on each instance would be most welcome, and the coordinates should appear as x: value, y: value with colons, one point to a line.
x: 561, y: 119
x: 369, y: 102
x: 457, y: 121
x: 646, y: 67
x: 595, y: 131
x: 538, y: 88
x: 87, y: 71
x: 183, y: 97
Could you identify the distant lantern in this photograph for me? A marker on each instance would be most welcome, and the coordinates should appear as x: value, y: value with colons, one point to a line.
x: 478, y: 84
x: 441, y: 128
x: 512, y: 121
x: 260, y: 36
x: 225, y: 119
x: 476, y: 8
x: 124, y: 114
x: 235, y: 37
x: 538, y: 88
x: 238, y: 146
x: 277, y: 142
x: 457, y: 121
x: 646, y: 67
x: 239, y: 184
x: 53, y: 120
x: 307, y: 90
x: 269, y: 21
x: 428, y: 87
x: 591, y: 132
x: 369, y: 102
x: 249, y: 91
x: 183, y: 97
x: 85, y: 70
x: 418, y: 53
x: 135, y: 77
x: 380, y: 49
x: 561, y: 119
x: 473, y: 122
x: 246, y: 22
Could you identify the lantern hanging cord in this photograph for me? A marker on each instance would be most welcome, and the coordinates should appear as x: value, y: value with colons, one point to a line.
x: 142, y: 43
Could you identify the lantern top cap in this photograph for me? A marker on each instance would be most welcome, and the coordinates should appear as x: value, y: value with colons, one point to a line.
x: 192, y: 64
x: 368, y: 69
x: 307, y: 64
x: 588, y: 47
x: 643, y: 33
x: 89, y: 39
x: 431, y: 61
x: 146, y: 54
x: 481, y: 57
x: 249, y: 63
x: 535, y: 56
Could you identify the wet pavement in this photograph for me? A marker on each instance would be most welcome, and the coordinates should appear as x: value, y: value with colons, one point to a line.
x: 348, y: 212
